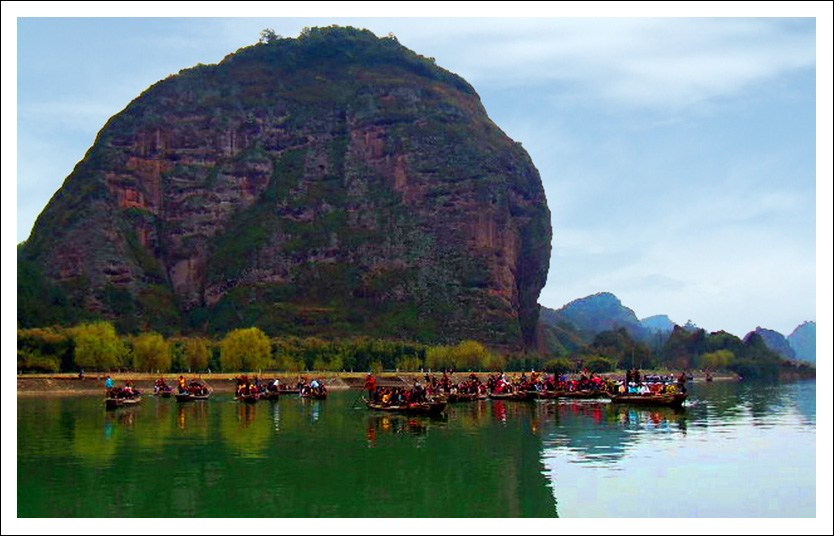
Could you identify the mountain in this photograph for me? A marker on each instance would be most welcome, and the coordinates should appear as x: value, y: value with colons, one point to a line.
x: 336, y: 184
x: 596, y: 313
x: 803, y: 341
x: 661, y: 323
x: 776, y: 342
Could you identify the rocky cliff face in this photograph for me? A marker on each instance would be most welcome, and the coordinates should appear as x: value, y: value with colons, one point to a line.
x: 334, y: 184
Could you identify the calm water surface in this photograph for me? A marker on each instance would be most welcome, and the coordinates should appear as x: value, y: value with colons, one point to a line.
x: 737, y: 450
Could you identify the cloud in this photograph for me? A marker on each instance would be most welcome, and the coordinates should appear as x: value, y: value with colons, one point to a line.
x: 644, y: 63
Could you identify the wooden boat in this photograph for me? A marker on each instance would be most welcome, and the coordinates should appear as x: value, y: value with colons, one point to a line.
x: 461, y: 397
x: 270, y: 395
x: 165, y: 393
x: 514, y: 395
x: 118, y: 402
x: 573, y: 394
x: 315, y: 396
x: 248, y: 398
x: 671, y: 400
x: 417, y: 408
x: 189, y: 397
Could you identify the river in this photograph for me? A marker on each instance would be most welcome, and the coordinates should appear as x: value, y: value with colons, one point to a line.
x: 737, y: 450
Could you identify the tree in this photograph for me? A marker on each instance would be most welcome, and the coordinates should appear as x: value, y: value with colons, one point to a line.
x: 560, y: 365
x: 196, y: 354
x: 268, y: 35
x: 245, y: 349
x: 97, y: 346
x: 151, y: 353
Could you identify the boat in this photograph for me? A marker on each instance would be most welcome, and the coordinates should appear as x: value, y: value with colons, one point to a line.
x: 514, y: 395
x: 249, y: 398
x: 573, y: 394
x: 188, y: 397
x: 416, y: 408
x: 165, y: 393
x: 270, y: 395
x: 118, y: 402
x: 314, y: 396
x: 462, y: 397
x: 671, y: 400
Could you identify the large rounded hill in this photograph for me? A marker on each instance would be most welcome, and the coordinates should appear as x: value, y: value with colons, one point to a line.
x: 335, y: 184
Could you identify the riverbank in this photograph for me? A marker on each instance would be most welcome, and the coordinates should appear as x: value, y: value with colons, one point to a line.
x: 91, y: 384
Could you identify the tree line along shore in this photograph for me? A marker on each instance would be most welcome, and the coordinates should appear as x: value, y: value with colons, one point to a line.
x: 97, y: 347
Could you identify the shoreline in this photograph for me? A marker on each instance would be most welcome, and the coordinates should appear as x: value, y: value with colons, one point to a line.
x: 69, y: 384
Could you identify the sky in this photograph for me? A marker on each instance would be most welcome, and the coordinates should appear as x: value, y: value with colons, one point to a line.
x: 678, y: 155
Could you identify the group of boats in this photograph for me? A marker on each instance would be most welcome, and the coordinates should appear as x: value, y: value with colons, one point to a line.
x: 430, y: 399
x: 129, y: 395
x: 252, y: 390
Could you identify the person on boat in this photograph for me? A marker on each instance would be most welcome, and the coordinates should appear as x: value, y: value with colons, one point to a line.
x: 370, y: 384
x: 682, y: 382
x: 182, y: 385
x: 108, y: 383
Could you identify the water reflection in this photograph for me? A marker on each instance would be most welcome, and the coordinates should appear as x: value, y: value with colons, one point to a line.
x: 753, y: 440
x: 601, y: 432
x: 503, y: 457
x: 395, y: 425
x: 276, y: 417
x: 191, y: 415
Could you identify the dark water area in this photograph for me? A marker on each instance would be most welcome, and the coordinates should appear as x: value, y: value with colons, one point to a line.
x: 736, y: 450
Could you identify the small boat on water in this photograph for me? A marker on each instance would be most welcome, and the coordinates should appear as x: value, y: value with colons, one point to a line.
x: 585, y: 394
x: 189, y: 396
x: 314, y: 396
x: 462, y: 397
x: 249, y: 398
x: 118, y: 402
x: 514, y: 395
x: 194, y: 390
x: 671, y: 400
x: 415, y: 408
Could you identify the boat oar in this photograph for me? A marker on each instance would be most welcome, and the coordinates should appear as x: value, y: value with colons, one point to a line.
x: 361, y: 392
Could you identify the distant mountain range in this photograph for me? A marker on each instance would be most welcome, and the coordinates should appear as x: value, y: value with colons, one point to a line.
x: 803, y: 341
x: 583, y: 319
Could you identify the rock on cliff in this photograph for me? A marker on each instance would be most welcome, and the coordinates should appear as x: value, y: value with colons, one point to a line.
x: 333, y: 184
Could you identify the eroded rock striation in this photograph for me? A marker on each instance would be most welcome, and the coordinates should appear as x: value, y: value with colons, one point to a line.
x: 333, y: 184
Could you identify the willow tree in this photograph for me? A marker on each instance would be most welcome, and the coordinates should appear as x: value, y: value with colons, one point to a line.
x: 245, y: 349
x: 97, y: 346
x: 196, y: 354
x: 151, y: 352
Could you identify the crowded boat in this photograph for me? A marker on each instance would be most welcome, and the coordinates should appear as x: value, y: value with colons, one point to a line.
x: 193, y: 389
x: 417, y: 399
x: 121, y: 396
